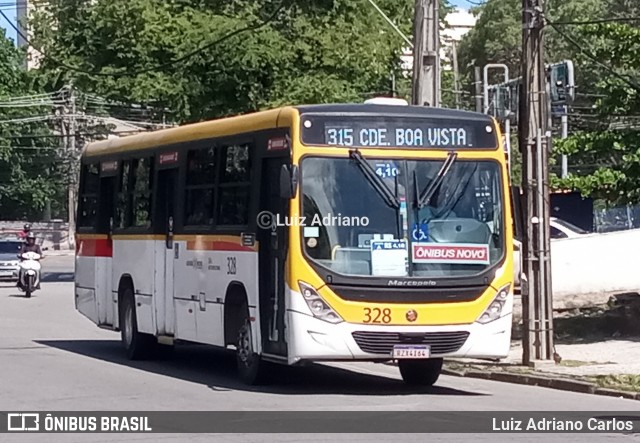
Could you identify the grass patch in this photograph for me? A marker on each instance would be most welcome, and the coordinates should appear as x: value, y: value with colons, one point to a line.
x: 622, y: 382
x: 578, y: 363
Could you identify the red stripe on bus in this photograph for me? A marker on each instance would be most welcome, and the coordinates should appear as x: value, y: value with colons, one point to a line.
x: 94, y: 247
x: 208, y: 245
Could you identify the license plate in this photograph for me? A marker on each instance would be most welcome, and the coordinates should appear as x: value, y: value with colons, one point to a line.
x: 411, y: 351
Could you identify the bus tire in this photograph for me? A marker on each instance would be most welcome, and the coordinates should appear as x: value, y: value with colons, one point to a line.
x: 420, y: 372
x: 250, y: 366
x: 137, y: 345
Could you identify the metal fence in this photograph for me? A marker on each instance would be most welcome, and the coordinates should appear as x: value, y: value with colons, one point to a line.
x: 616, y: 219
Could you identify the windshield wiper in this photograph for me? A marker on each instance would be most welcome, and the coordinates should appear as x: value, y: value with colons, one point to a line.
x: 422, y: 199
x: 374, y: 179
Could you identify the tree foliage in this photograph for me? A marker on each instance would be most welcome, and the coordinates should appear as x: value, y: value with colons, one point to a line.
x: 603, y: 144
x: 612, y: 148
x: 29, y: 177
x: 311, y: 51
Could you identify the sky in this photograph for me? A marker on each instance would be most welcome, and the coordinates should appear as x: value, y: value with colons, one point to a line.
x: 10, y: 11
x: 465, y: 4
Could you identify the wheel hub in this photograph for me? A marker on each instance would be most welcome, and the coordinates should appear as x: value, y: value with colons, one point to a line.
x: 245, y: 347
x: 128, y: 326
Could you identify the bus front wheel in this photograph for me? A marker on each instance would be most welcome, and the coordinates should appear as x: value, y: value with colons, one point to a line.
x: 250, y: 366
x: 137, y: 345
x: 420, y: 372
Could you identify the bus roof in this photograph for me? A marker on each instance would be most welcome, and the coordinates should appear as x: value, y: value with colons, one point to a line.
x: 281, y: 117
x: 274, y: 118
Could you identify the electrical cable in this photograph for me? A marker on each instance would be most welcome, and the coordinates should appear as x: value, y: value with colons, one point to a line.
x: 599, y: 21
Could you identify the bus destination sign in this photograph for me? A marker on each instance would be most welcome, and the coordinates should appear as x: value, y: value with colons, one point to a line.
x: 399, y: 133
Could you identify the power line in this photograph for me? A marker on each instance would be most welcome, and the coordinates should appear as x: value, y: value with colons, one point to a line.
x: 33, y: 96
x: 29, y: 119
x: 38, y: 148
x: 253, y: 27
x: 581, y: 48
x: 393, y: 25
x: 30, y: 105
x: 598, y: 21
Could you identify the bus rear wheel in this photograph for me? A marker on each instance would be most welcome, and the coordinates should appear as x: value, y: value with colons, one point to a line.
x: 250, y: 366
x: 137, y: 345
x: 420, y: 372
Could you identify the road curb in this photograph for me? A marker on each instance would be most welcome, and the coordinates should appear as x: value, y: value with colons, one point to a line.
x: 542, y: 380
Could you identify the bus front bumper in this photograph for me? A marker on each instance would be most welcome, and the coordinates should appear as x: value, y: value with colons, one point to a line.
x: 311, y: 339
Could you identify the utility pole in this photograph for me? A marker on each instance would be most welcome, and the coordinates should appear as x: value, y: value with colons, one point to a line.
x: 535, y: 143
x: 456, y: 74
x: 426, y: 54
x: 68, y: 128
x: 478, y: 85
x: 564, y: 120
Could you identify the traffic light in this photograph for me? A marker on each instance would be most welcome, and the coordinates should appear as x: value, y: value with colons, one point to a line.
x: 561, y: 82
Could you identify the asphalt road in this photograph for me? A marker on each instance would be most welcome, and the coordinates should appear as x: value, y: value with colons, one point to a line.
x: 52, y: 358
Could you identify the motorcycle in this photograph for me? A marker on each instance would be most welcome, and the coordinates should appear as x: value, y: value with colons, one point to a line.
x: 29, y: 277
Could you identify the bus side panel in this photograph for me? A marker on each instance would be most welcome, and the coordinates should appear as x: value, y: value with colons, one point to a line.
x: 186, y: 293
x: 85, y: 285
x: 136, y: 258
x: 163, y: 286
x: 104, y: 298
x: 235, y: 267
x: 200, y: 277
x: 203, y: 273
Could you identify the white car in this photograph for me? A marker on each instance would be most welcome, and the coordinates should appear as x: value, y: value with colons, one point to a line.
x: 563, y: 229
x: 9, y: 262
x: 559, y: 229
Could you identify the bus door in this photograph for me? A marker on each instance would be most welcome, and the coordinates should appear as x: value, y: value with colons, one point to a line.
x: 272, y: 256
x: 166, y: 249
x: 107, y: 310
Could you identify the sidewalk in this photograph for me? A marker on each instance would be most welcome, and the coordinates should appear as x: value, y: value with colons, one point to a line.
x: 608, y: 367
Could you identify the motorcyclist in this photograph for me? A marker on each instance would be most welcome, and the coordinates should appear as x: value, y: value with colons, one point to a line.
x: 25, y: 231
x: 30, y: 246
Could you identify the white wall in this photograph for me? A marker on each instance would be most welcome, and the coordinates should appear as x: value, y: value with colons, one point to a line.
x: 589, y: 269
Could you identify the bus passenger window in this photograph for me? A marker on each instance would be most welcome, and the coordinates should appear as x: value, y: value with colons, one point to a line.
x: 133, y: 206
x: 235, y: 185
x: 201, y: 179
x: 123, y: 217
x: 234, y: 206
x: 142, y: 192
x: 199, y: 207
x: 88, y: 201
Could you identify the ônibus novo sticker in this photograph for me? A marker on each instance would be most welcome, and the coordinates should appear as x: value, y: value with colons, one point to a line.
x: 452, y: 253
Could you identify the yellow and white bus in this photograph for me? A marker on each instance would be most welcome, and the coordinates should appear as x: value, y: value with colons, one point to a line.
x: 309, y: 233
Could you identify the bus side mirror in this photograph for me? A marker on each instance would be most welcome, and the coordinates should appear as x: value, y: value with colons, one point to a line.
x: 288, y: 181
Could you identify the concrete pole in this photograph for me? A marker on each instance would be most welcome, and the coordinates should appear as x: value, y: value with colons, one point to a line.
x: 426, y: 54
x: 564, y: 134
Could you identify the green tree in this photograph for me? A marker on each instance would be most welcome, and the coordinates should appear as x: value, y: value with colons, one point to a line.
x: 29, y: 175
x: 497, y: 36
x: 308, y: 51
x: 611, y: 151
x: 603, y: 137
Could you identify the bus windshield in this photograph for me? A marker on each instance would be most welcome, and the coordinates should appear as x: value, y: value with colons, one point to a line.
x: 351, y: 229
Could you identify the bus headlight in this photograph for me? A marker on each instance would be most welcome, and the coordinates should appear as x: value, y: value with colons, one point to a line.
x: 318, y: 307
x: 494, y: 310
